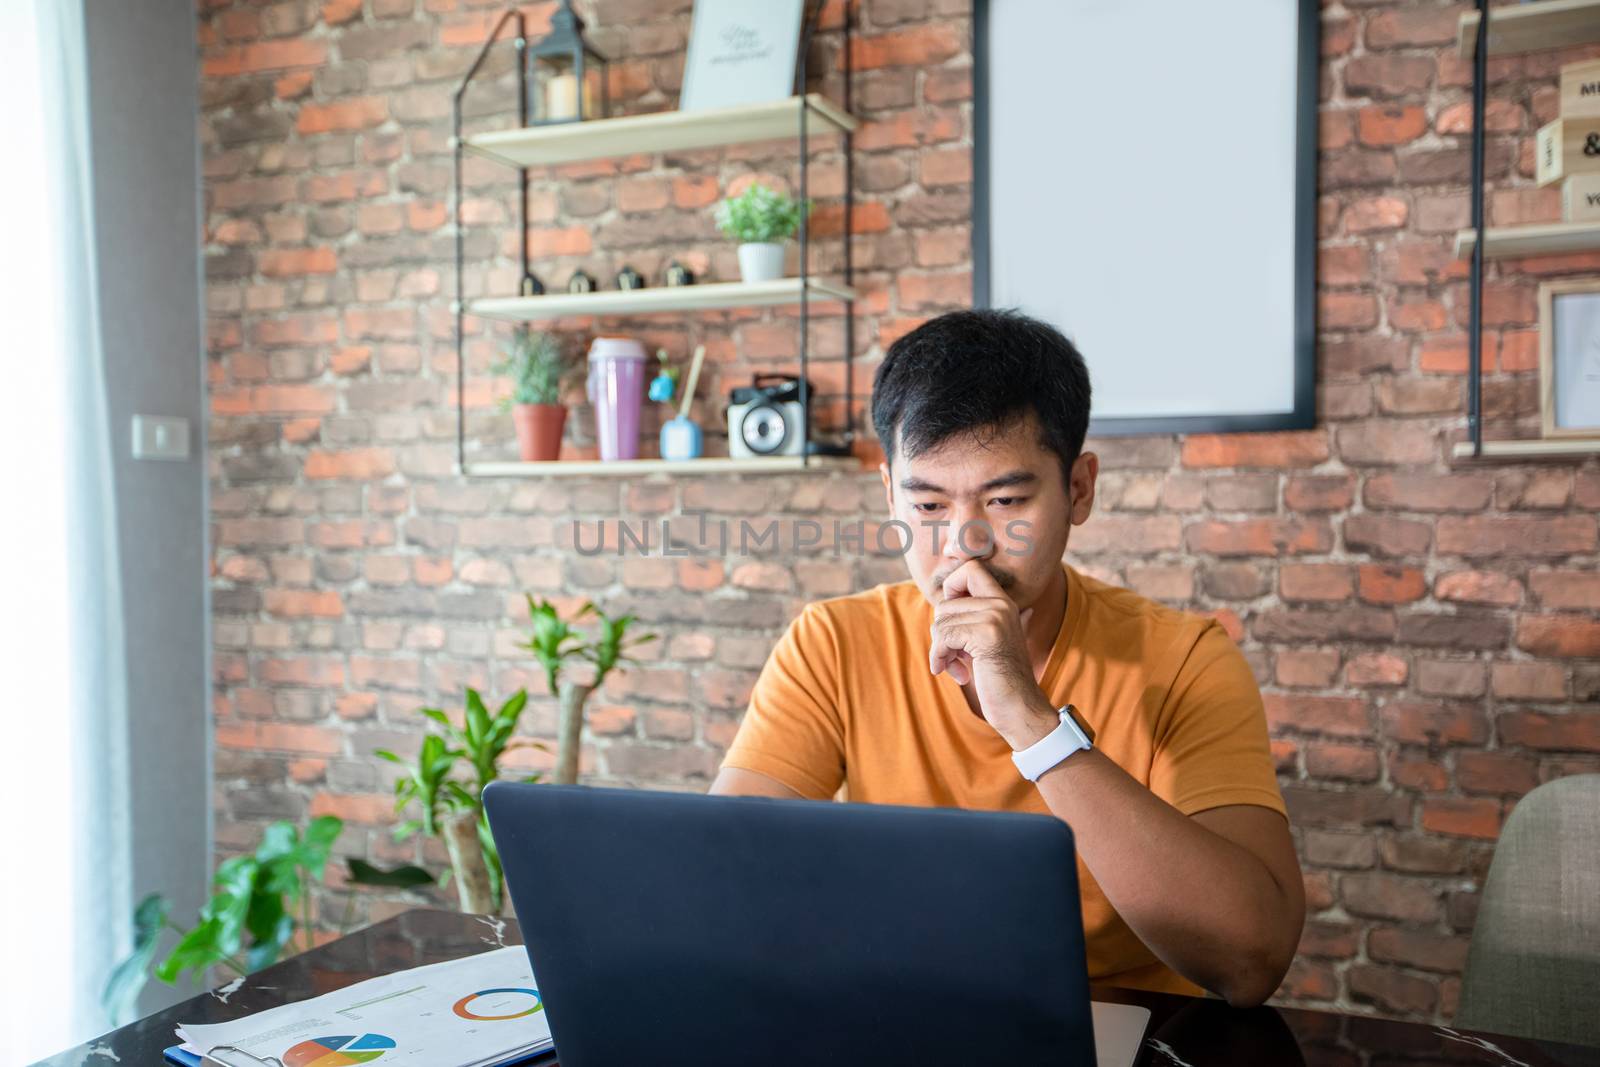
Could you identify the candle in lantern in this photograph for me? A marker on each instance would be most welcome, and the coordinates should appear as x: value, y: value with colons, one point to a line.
x: 561, y: 96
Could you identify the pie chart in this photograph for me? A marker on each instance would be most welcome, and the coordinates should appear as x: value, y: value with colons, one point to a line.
x: 337, y: 1051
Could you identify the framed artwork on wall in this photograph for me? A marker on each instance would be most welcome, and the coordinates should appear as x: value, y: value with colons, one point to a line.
x: 1156, y: 201
x: 1569, y: 357
x: 741, y: 52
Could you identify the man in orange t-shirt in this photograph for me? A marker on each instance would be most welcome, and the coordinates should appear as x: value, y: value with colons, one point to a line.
x: 921, y: 692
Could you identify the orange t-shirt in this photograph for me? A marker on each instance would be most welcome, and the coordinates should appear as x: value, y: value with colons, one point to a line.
x: 846, y: 699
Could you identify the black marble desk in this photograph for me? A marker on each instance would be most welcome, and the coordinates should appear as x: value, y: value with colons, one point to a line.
x: 1183, y: 1030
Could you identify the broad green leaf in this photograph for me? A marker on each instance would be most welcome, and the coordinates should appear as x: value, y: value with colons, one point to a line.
x: 404, y: 877
x: 128, y: 977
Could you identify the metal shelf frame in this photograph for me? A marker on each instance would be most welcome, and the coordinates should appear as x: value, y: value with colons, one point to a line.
x: 514, y: 19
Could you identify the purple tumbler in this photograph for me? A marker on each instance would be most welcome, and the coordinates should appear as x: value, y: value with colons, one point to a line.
x: 616, y: 389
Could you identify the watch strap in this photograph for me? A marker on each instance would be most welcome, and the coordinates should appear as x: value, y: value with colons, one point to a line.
x: 1068, y: 737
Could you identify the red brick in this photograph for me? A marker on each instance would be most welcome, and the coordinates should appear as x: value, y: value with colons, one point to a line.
x: 1387, y: 442
x: 1507, y: 536
x: 1464, y: 817
x: 360, y: 463
x: 1306, y: 668
x: 1478, y: 587
x: 1422, y: 949
x: 1562, y: 636
x: 292, y: 262
x: 280, y: 737
x: 1417, y: 723
x: 1352, y: 763
x: 1428, y: 493
x: 1529, y: 681
x: 262, y: 56
x: 1576, y: 590
x: 1315, y: 581
x: 1336, y: 716
x: 1259, y: 537
x: 1412, y: 26
x: 1573, y: 731
x: 1388, y: 896
x: 1279, y: 450
x: 1387, y: 75
x: 354, y: 113
x: 1347, y: 311
x: 1376, y: 669
x: 1384, y: 127
x: 1500, y: 773
x: 1380, y: 584
x: 1392, y: 990
x: 302, y: 603
x: 1319, y: 492
x: 364, y: 809
x: 922, y: 46
x: 1450, y: 678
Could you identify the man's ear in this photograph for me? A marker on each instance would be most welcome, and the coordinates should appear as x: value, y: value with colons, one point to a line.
x: 888, y: 486
x: 1080, y: 486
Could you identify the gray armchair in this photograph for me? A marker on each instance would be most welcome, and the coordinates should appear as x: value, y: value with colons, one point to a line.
x: 1533, y: 969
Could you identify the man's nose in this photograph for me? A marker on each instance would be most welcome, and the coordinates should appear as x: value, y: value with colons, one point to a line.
x: 969, y: 537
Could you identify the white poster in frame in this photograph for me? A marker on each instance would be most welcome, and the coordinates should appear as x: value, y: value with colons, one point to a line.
x: 1569, y: 357
x: 1174, y: 243
x: 741, y: 52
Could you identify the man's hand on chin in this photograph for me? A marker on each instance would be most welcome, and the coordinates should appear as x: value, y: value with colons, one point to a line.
x: 980, y: 637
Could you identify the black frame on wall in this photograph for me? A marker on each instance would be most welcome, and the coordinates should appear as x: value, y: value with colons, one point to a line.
x: 1307, y: 73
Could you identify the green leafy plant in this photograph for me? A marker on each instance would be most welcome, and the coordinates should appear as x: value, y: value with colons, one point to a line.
x: 451, y: 807
x: 760, y: 215
x: 554, y: 643
x: 538, y: 366
x: 251, y: 917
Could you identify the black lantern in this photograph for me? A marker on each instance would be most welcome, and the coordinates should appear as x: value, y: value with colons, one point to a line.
x: 566, y: 76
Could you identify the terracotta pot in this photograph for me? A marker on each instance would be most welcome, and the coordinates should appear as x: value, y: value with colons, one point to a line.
x: 539, y: 429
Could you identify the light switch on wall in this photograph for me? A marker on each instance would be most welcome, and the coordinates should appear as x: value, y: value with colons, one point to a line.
x: 160, y: 437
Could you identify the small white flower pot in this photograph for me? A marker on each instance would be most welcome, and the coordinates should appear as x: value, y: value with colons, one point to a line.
x: 761, y: 261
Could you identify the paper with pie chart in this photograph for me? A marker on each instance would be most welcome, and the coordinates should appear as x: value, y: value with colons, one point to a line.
x: 479, y: 1011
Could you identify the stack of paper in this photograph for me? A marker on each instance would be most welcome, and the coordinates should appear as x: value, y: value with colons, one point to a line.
x: 482, y: 1011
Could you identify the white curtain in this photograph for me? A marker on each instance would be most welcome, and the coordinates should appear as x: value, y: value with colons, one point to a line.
x: 64, y: 914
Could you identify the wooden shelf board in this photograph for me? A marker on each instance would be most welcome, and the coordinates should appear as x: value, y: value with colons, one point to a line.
x: 588, y: 468
x: 1530, y: 27
x: 707, y: 297
x: 1542, y: 239
x: 1532, y: 449
x: 662, y: 131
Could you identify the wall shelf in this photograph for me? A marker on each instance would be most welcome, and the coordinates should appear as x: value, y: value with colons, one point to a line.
x: 797, y: 118
x: 1542, y: 239
x: 590, y: 468
x: 1530, y: 27
x: 705, y: 297
x: 662, y: 131
x: 1532, y: 449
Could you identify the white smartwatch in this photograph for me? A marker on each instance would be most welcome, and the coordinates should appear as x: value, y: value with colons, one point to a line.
x: 1073, y: 735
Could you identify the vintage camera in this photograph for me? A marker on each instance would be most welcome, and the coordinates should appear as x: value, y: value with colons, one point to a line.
x: 766, y: 418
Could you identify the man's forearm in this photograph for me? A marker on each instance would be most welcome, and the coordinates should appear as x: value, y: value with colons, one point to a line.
x: 1207, y: 907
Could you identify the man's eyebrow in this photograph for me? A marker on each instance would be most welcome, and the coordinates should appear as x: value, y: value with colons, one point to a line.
x: 914, y: 484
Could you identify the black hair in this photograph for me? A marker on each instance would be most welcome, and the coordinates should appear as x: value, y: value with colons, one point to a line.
x: 976, y: 372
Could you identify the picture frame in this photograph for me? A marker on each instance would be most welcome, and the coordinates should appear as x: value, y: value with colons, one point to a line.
x: 741, y: 52
x: 1569, y: 358
x: 1190, y: 290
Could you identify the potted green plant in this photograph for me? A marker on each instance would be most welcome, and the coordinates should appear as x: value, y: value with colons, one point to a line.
x: 539, y: 369
x: 760, y: 219
x: 450, y: 807
x: 554, y: 643
x: 260, y: 911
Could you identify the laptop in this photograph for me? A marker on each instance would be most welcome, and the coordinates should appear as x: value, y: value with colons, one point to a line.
x: 672, y: 928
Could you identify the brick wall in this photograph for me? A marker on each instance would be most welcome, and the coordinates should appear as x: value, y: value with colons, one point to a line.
x: 1426, y: 633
